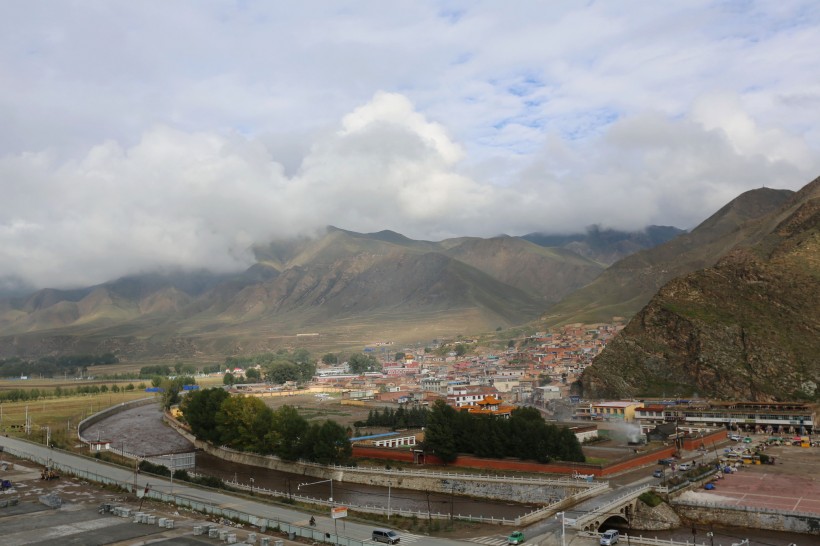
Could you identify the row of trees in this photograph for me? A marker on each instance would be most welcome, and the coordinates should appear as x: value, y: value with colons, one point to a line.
x: 163, y: 370
x: 278, y: 367
x: 524, y: 435
x: 50, y: 366
x: 23, y: 395
x: 400, y: 418
x: 247, y: 424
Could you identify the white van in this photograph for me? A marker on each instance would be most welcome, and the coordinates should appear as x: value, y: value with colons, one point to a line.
x: 609, y: 538
x: 385, y: 535
x: 683, y: 467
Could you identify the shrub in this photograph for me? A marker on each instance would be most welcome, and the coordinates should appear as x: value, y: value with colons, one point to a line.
x: 650, y: 498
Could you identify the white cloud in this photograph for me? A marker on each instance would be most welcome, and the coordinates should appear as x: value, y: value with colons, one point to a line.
x: 130, y: 140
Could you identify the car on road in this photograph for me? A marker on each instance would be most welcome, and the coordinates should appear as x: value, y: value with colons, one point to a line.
x: 609, y: 538
x: 666, y: 462
x: 658, y: 473
x: 683, y: 467
x: 385, y: 535
x: 735, y: 437
x: 517, y: 537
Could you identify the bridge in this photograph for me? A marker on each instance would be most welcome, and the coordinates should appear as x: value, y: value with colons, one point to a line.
x: 590, y: 515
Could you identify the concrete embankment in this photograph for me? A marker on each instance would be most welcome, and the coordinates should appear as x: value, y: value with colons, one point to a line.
x: 108, y: 412
x: 751, y: 518
x: 539, y: 491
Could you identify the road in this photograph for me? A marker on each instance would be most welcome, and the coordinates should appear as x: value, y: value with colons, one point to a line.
x: 354, y: 530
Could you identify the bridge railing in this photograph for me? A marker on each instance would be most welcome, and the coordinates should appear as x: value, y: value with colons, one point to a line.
x: 634, y: 539
x: 607, y: 507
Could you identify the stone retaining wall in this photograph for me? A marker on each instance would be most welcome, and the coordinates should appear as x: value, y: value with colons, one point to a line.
x: 752, y: 518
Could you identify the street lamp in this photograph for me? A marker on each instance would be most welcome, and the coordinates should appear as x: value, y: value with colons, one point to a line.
x: 563, y: 520
x: 251, y: 486
x: 298, y: 487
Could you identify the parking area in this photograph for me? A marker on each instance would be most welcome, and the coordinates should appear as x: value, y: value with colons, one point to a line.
x: 792, y: 483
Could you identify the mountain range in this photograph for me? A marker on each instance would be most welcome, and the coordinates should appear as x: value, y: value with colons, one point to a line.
x: 350, y: 287
x: 345, y: 289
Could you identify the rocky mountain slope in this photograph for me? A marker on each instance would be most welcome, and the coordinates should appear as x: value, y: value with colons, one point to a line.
x: 626, y: 286
x: 747, y: 327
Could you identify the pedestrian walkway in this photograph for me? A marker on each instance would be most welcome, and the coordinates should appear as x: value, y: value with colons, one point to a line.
x: 495, y: 540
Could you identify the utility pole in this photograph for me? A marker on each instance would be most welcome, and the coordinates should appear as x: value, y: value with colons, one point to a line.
x: 388, y: 500
x: 562, y: 514
x: 452, y: 497
x: 429, y: 513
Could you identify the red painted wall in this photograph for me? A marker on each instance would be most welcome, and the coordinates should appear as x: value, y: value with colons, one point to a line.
x: 707, y: 441
x: 514, y: 464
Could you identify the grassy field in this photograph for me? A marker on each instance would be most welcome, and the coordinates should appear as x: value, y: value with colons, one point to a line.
x: 58, y: 417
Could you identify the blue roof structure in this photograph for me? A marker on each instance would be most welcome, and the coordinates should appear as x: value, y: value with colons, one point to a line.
x: 372, y: 436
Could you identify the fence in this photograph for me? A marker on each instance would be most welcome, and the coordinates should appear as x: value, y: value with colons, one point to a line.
x: 632, y: 539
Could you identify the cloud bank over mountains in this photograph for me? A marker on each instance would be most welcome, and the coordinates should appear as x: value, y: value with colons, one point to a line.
x: 122, y: 150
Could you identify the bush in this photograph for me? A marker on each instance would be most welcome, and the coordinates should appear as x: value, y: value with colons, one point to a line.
x: 650, y: 498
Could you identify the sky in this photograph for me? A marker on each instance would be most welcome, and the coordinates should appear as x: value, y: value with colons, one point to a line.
x: 137, y: 136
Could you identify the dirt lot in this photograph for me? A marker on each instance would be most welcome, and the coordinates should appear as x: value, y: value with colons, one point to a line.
x: 312, y: 407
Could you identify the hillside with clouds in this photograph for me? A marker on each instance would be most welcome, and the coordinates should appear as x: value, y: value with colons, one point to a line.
x: 339, y: 285
x: 137, y: 138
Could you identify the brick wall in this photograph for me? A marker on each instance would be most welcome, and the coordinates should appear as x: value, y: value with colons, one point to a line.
x: 708, y: 441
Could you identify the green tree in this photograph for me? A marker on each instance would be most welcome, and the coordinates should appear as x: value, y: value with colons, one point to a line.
x: 460, y: 349
x: 252, y: 374
x: 439, y: 436
x: 328, y: 359
x: 172, y: 387
x: 288, y: 433
x: 331, y: 445
x: 238, y: 422
x: 360, y: 363
x: 200, y: 409
x: 228, y: 379
x: 282, y: 372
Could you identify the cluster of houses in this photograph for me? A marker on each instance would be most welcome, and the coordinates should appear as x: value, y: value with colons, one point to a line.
x: 535, y: 370
x: 538, y: 369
